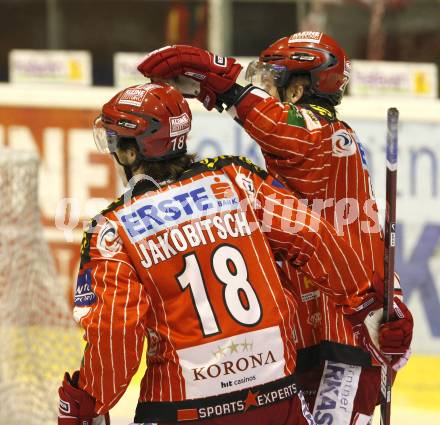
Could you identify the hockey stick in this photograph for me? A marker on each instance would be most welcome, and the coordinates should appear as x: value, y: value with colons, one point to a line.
x: 390, y: 244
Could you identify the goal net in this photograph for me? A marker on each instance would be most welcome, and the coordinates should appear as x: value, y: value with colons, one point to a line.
x: 38, y: 337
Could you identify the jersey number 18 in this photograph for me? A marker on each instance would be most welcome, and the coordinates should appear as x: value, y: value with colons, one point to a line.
x: 230, y: 269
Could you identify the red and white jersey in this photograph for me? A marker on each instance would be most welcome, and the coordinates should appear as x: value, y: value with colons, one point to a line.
x: 321, y: 160
x: 191, y: 267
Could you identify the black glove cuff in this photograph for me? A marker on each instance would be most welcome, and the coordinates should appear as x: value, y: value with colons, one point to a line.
x: 233, y: 96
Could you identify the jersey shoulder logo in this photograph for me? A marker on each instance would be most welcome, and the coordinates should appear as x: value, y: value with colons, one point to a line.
x: 92, y: 228
x: 108, y: 241
x: 343, y: 144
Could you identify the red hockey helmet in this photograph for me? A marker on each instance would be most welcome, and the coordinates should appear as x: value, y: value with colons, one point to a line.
x: 155, y: 115
x: 305, y: 53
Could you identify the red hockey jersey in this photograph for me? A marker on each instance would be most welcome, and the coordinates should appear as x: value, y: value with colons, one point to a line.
x: 191, y: 267
x: 321, y: 160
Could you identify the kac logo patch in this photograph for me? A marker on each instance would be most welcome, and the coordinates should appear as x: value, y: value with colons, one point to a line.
x: 109, y: 242
x: 343, y: 144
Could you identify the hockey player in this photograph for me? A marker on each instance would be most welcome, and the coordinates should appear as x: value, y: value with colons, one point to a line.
x: 186, y: 259
x: 321, y: 160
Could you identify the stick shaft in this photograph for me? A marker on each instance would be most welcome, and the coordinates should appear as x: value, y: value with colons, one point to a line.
x: 390, y: 245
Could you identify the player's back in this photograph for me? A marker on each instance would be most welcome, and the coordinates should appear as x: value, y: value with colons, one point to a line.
x: 337, y: 186
x: 344, y: 198
x: 219, y: 319
x: 321, y: 160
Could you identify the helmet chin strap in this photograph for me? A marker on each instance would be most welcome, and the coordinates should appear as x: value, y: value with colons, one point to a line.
x: 282, y: 93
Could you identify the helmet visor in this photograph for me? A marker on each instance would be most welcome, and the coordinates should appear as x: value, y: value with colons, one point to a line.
x: 266, y: 75
x: 106, y: 140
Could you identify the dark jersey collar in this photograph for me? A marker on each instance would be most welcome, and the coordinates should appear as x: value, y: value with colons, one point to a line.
x: 328, y: 114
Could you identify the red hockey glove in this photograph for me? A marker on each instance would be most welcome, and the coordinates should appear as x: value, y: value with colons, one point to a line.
x: 387, y: 342
x: 395, y: 337
x: 77, y: 407
x: 216, y: 74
